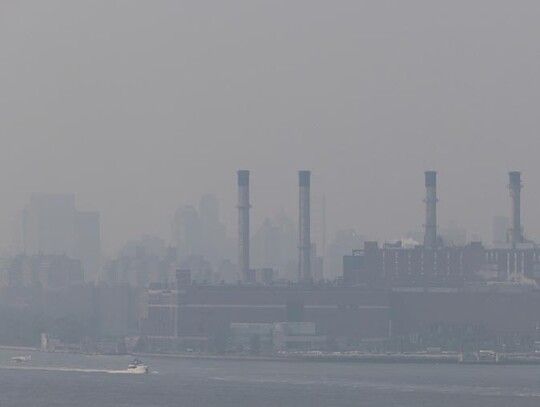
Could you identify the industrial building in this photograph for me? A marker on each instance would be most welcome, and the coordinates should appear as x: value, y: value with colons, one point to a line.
x: 436, y: 265
x: 394, y: 266
x: 205, y: 313
x: 391, y: 296
x: 263, y: 319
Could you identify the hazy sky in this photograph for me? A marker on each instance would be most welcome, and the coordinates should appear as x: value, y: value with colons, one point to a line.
x: 139, y: 106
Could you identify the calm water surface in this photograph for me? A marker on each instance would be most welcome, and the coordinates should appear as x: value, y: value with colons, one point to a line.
x: 77, y: 380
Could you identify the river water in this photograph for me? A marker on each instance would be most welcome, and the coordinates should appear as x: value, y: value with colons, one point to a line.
x: 78, y: 380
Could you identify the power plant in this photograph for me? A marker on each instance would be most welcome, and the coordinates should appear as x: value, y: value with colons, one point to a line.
x: 432, y: 264
x: 389, y: 295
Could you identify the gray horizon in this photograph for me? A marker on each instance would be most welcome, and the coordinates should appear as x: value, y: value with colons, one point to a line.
x: 138, y: 107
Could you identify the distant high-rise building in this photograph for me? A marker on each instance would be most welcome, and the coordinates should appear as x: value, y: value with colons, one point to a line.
x: 187, y: 231
x: 53, y: 226
x: 143, y: 261
x: 88, y: 244
x: 430, y: 226
x: 49, y: 224
x: 317, y: 266
x: 209, y: 208
x: 199, y: 232
x: 266, y: 246
x: 515, y: 233
x: 500, y: 226
x: 274, y: 246
x: 304, y: 227
x: 453, y: 235
x: 213, y: 231
x: 345, y: 241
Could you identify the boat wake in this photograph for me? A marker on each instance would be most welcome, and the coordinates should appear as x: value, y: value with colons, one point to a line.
x: 71, y: 369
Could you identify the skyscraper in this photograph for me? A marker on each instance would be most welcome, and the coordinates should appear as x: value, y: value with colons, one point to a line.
x: 52, y: 225
x: 49, y: 224
x: 87, y: 244
x: 500, y: 226
x: 187, y: 232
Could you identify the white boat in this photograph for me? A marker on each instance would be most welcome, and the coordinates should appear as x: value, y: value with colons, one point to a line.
x: 137, y: 367
x: 21, y: 359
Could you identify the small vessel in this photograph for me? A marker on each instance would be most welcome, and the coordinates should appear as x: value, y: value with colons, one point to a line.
x: 138, y: 367
x: 21, y: 359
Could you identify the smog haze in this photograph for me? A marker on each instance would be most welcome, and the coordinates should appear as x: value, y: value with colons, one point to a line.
x: 137, y: 107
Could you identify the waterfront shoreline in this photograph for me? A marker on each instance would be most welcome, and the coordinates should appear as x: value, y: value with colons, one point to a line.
x: 335, y: 357
x: 506, y: 359
x: 19, y: 348
x: 213, y: 357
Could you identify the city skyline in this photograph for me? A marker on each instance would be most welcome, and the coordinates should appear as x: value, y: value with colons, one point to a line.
x: 183, y: 106
x: 445, y: 225
x: 216, y: 187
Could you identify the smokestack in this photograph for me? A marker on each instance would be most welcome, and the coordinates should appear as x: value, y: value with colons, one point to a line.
x: 515, y: 234
x: 243, y: 225
x: 304, y: 243
x: 430, y: 235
